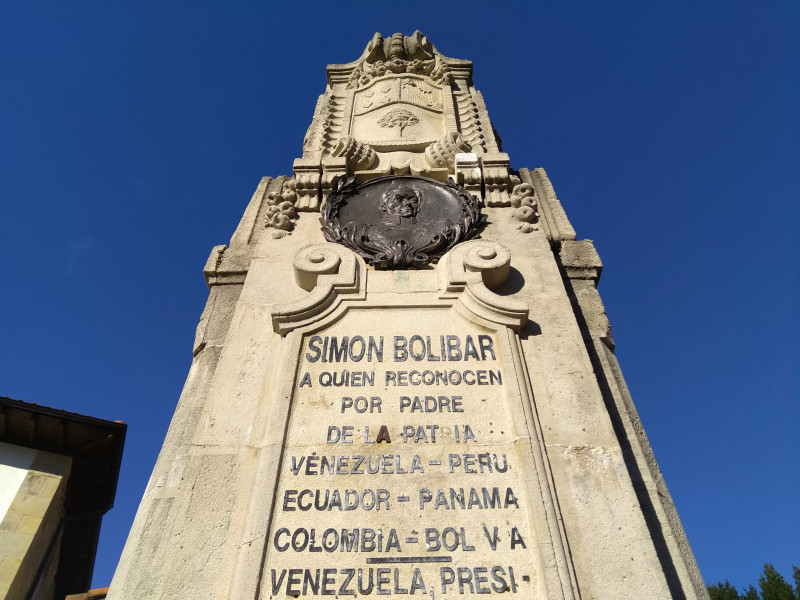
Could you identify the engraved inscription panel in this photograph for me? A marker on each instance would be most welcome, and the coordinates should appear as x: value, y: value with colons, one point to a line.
x: 402, y: 470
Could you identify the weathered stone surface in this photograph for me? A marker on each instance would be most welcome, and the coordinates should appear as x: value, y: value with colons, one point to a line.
x: 580, y: 260
x: 327, y: 397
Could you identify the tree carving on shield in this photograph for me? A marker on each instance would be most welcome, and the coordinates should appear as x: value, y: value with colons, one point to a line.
x: 399, y: 118
x: 400, y: 221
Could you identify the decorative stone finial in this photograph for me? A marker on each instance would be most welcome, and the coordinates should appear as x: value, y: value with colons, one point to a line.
x: 399, y: 54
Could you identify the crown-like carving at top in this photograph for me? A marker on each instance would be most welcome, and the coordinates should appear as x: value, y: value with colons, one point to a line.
x: 399, y: 54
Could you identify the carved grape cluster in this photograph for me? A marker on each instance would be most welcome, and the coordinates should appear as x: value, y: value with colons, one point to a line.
x: 280, y: 210
x: 523, y: 198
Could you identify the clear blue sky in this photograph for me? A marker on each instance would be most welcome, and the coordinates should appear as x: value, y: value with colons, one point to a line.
x: 132, y: 135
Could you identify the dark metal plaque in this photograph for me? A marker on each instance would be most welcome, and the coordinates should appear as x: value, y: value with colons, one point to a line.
x: 400, y: 221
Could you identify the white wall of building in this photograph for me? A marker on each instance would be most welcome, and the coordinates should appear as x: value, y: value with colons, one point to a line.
x: 14, y: 464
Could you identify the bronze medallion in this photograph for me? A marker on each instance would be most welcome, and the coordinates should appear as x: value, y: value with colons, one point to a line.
x: 400, y: 221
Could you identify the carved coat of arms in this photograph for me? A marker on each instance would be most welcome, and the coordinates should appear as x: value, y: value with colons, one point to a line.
x: 400, y: 221
x: 396, y: 112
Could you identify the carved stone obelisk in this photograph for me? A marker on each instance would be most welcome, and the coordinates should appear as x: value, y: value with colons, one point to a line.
x: 404, y: 380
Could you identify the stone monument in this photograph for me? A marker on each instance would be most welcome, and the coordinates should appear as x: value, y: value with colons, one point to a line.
x: 404, y: 381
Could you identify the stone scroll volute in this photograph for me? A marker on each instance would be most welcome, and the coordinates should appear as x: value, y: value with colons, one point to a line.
x: 470, y: 271
x: 328, y: 272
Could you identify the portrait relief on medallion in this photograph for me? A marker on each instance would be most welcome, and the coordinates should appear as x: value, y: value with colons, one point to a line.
x: 401, y: 204
x: 400, y: 221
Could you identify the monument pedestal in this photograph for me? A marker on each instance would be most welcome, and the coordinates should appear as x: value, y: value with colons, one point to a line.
x: 454, y: 426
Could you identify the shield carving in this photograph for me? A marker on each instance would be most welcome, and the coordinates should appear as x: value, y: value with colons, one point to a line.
x: 399, y: 113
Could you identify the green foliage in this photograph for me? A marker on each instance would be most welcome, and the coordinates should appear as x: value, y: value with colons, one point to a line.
x: 772, y: 584
x: 723, y: 591
x: 751, y: 594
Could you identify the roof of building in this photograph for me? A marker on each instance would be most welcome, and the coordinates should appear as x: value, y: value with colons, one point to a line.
x: 95, y: 446
x: 97, y: 594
